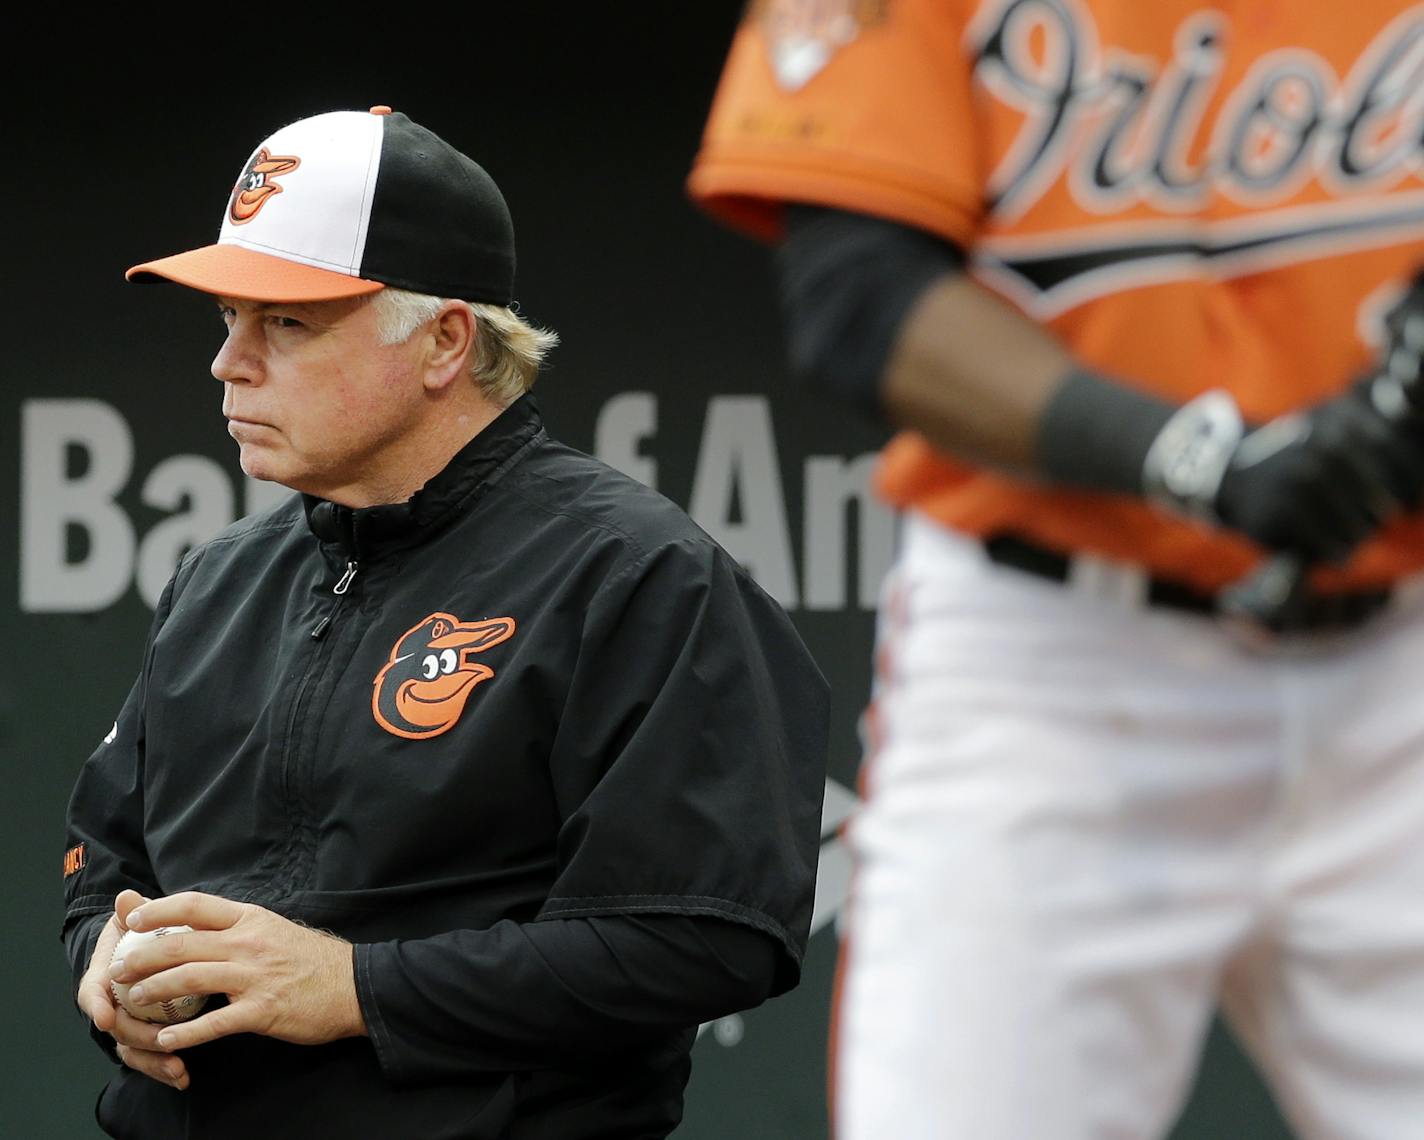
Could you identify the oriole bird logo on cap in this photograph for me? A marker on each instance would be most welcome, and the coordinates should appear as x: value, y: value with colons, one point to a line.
x: 422, y: 690
x: 257, y: 184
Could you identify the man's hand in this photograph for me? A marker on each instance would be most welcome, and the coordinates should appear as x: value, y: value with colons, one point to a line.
x: 136, y: 1041
x: 1320, y: 482
x: 282, y: 979
x: 1314, y: 483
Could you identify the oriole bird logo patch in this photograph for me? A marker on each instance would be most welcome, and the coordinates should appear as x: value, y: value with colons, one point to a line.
x: 422, y: 690
x: 258, y: 183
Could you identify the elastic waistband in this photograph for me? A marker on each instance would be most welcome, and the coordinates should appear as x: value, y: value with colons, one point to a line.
x: 1317, y: 613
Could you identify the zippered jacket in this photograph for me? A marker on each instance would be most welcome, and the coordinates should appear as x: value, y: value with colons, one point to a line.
x: 534, y: 693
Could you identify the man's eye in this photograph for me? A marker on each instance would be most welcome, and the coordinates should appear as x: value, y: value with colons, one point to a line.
x: 287, y: 322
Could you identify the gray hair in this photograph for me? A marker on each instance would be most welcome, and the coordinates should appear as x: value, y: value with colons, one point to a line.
x: 508, y: 349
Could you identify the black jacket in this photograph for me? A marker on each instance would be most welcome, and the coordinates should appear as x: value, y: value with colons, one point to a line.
x: 543, y: 694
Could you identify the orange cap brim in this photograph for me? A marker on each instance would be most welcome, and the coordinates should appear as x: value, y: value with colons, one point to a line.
x: 246, y: 275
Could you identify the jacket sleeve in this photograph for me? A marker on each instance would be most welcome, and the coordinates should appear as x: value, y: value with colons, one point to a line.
x: 688, y: 770
x: 529, y: 996
x: 104, y: 845
x: 689, y: 766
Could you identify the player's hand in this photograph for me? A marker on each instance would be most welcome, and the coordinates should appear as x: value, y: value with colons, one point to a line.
x: 1320, y: 482
x: 136, y: 1041
x: 1315, y: 483
x: 282, y: 979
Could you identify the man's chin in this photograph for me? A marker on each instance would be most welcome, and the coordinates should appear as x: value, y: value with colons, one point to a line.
x: 259, y: 463
x: 263, y: 467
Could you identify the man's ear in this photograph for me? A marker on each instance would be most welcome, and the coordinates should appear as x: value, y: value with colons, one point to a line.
x: 451, y: 344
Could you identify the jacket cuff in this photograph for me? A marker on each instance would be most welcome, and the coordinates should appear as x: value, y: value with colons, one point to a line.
x: 379, y: 1032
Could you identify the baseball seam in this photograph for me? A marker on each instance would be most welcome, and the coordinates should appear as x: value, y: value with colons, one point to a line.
x: 171, y: 1007
x: 166, y: 1005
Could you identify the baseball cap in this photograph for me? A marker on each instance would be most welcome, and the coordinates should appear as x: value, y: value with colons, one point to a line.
x: 348, y: 202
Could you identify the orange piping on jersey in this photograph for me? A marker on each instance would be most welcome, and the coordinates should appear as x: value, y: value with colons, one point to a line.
x: 894, y: 623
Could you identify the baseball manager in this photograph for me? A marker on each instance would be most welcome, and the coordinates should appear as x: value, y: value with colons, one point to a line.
x: 482, y: 775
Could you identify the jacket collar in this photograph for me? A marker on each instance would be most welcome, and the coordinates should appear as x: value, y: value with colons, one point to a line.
x: 361, y: 531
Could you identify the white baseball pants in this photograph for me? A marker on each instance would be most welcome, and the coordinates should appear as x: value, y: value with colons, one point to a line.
x: 1086, y: 823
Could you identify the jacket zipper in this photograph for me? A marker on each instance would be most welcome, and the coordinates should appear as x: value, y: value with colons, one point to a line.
x: 288, y: 871
x: 342, y: 585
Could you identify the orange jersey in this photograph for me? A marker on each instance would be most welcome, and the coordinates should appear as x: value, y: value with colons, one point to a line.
x: 1190, y: 196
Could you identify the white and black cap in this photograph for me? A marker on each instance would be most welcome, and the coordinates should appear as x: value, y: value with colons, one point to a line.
x: 346, y: 203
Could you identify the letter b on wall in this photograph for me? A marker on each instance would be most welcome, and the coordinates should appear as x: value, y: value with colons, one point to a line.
x: 52, y: 500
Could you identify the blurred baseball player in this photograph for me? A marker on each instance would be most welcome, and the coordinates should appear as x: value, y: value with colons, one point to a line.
x: 1133, y: 277
x: 481, y: 773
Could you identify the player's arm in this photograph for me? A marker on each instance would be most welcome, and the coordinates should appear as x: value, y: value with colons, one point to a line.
x: 885, y: 317
x: 515, y: 996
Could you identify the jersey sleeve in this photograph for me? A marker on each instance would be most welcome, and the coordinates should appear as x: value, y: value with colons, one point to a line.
x: 866, y: 106
x: 689, y: 766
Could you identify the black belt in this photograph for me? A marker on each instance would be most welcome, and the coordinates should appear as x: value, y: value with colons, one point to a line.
x: 1315, y: 613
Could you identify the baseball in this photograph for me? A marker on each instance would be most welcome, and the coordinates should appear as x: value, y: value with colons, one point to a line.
x: 160, y: 1012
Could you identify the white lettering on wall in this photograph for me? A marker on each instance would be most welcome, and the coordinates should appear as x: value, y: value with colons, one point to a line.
x: 52, y: 501
x: 833, y: 485
x: 737, y: 474
x: 624, y: 423
x: 737, y: 496
x: 203, y: 489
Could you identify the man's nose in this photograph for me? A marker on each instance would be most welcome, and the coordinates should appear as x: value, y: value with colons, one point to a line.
x: 237, y: 361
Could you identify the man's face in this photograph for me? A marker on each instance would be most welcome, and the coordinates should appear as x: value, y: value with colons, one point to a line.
x: 315, y: 401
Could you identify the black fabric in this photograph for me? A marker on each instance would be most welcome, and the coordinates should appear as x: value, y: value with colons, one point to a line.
x: 649, y: 740
x: 439, y: 224
x: 847, y: 283
x: 1095, y: 433
x: 558, y: 994
x: 246, y: 1086
x: 1319, y: 482
x: 1315, y: 613
x: 582, y: 1009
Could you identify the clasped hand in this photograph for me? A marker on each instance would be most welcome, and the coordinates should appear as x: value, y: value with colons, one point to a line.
x: 282, y: 979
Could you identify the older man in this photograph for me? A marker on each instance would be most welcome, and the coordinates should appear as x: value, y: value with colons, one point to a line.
x: 480, y: 773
